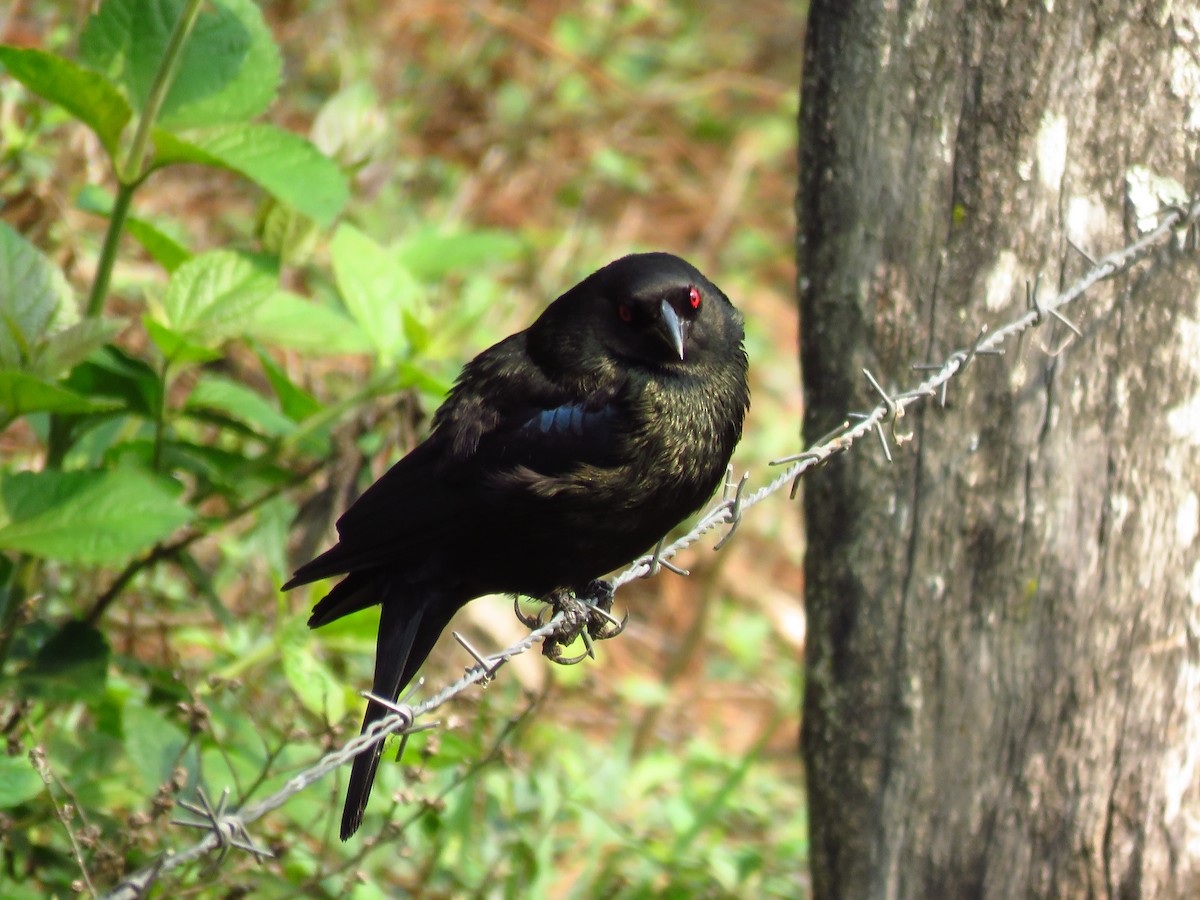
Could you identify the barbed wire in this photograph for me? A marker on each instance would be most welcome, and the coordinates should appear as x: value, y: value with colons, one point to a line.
x: 228, y: 829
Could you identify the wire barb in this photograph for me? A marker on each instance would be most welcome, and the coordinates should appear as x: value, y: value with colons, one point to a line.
x: 1031, y: 299
x: 734, y: 507
x: 656, y: 562
x: 227, y: 828
x: 1091, y: 260
x: 812, y: 457
x: 486, y: 663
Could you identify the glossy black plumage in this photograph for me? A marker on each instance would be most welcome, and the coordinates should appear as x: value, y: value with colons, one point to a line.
x: 562, y: 453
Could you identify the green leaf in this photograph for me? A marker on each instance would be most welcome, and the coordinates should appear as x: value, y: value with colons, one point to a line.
x: 22, y: 393
x: 288, y: 320
x: 113, y: 373
x: 227, y: 472
x: 72, y: 665
x: 87, y: 517
x: 213, y: 392
x: 431, y: 255
x: 288, y: 234
x: 283, y: 164
x: 296, y: 403
x: 65, y: 349
x: 175, y: 347
x: 153, y: 744
x: 314, y: 684
x: 34, y: 299
x: 228, y: 72
x: 18, y: 781
x: 375, y: 287
x: 85, y: 94
x: 213, y: 296
x: 165, y: 250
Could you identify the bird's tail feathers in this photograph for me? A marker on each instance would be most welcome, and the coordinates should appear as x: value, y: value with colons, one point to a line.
x: 407, y: 633
x: 355, y: 592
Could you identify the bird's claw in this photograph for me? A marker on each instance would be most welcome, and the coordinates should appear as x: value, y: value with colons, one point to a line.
x: 553, y: 652
x: 530, y: 622
x: 588, y: 616
x: 602, y: 624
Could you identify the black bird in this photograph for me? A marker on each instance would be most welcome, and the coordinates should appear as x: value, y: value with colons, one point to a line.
x: 561, y: 453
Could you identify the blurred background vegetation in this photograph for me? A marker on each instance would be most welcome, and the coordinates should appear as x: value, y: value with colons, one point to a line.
x: 494, y: 155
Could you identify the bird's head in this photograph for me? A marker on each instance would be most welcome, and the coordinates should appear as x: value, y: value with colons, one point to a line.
x: 649, y: 308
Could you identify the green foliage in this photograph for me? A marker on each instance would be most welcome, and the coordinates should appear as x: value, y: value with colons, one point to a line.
x: 87, y: 516
x: 19, y: 783
x: 160, y: 399
x: 37, y: 308
x: 87, y: 95
x: 288, y: 167
x: 227, y: 72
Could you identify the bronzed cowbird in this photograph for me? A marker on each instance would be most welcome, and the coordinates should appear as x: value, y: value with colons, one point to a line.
x: 561, y: 453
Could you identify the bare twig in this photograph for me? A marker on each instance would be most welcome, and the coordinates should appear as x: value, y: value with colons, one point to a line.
x: 37, y: 756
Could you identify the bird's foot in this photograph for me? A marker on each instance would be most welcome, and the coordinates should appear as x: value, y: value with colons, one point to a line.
x: 587, y: 615
x: 602, y: 624
x: 530, y: 622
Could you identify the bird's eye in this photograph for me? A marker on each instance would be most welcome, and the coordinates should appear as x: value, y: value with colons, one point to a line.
x: 625, y: 312
x: 694, y: 298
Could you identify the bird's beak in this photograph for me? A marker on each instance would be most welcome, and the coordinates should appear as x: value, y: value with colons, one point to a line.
x: 674, y: 329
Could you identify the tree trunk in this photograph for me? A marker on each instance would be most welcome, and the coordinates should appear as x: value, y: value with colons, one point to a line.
x: 1003, y: 688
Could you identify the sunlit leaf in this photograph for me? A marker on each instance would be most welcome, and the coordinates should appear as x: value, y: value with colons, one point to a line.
x: 212, y: 297
x: 85, y: 94
x: 213, y: 392
x: 152, y: 744
x: 288, y: 234
x: 285, y: 165
x: 430, y: 254
x: 288, y: 320
x: 65, y: 349
x: 315, y: 686
x: 296, y: 403
x: 22, y: 393
x: 87, y: 517
x: 375, y: 288
x: 18, y: 781
x: 229, y: 70
x: 34, y: 299
x: 175, y: 346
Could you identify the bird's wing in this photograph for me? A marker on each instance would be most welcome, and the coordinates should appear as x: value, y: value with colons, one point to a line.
x: 554, y: 440
x: 400, y: 518
x: 503, y: 415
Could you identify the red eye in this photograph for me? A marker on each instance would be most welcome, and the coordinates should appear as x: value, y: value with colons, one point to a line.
x: 625, y: 313
x: 694, y: 298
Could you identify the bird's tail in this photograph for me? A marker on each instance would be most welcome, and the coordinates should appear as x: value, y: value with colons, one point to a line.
x: 407, y: 632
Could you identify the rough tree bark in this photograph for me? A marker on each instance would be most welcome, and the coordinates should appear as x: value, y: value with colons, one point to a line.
x: 1003, y: 689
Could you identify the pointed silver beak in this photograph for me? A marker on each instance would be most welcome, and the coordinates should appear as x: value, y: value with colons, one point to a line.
x: 674, y: 329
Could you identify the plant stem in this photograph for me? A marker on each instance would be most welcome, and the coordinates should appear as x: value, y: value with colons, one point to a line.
x: 108, y: 252
x: 160, y: 417
x: 172, y: 56
x: 129, y: 178
x: 132, y: 173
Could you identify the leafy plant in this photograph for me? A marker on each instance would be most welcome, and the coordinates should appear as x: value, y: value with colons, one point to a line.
x: 175, y: 360
x: 148, y: 427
